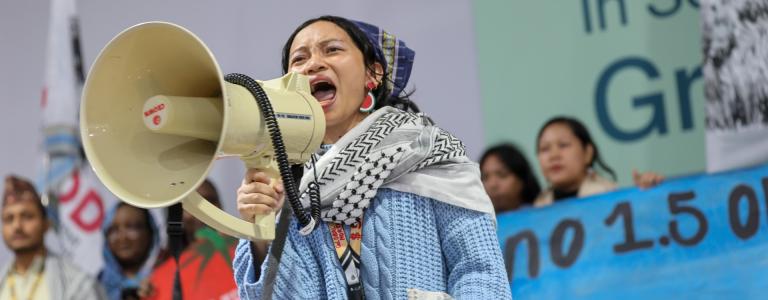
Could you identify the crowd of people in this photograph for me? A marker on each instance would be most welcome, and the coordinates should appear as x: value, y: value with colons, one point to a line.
x: 569, y: 161
x: 408, y: 216
x: 131, y: 250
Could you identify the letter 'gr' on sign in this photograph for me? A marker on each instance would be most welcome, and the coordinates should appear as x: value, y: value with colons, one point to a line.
x: 654, y: 100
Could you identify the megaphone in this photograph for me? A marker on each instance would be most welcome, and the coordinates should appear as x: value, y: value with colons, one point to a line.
x: 156, y: 113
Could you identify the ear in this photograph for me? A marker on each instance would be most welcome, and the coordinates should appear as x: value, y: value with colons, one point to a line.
x: 589, y: 155
x: 378, y: 73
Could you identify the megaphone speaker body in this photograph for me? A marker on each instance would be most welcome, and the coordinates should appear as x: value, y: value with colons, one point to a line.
x: 156, y: 113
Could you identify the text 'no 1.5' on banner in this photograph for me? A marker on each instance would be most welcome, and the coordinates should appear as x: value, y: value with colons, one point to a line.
x: 698, y: 237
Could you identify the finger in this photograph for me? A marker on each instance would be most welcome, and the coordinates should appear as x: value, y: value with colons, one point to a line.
x: 648, y: 180
x: 256, y: 175
x: 249, y: 211
x: 256, y: 198
x: 279, y: 188
x: 258, y: 188
x: 280, y: 201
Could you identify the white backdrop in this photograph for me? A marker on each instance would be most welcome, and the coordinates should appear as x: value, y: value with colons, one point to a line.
x: 246, y: 37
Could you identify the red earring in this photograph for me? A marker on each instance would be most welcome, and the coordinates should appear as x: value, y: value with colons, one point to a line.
x: 370, y: 101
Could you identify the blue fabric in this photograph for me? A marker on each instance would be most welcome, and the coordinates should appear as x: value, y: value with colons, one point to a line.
x: 111, y: 275
x: 394, y: 52
x: 408, y: 242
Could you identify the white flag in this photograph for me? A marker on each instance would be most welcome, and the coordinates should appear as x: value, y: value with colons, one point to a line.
x: 77, y: 198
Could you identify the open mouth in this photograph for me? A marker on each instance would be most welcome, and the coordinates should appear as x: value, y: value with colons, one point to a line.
x: 324, y: 91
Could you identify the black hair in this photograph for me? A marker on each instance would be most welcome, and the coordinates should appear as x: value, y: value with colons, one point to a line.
x: 515, y: 162
x: 581, y: 133
x: 210, y: 192
x: 382, y: 92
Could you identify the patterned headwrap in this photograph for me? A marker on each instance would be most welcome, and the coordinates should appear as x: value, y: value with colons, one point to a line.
x: 19, y: 190
x: 398, y: 57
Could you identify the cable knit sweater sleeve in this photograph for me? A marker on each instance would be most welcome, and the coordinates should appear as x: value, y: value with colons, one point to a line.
x: 471, y: 250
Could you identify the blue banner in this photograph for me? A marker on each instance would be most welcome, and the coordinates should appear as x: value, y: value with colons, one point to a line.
x: 697, y: 237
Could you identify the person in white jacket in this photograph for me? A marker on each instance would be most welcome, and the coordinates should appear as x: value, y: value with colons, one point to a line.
x: 35, y: 272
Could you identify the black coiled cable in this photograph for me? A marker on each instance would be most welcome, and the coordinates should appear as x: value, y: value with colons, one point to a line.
x: 314, y: 193
x: 277, y: 144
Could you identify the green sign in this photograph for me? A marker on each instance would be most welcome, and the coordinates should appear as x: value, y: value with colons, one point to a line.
x: 630, y: 70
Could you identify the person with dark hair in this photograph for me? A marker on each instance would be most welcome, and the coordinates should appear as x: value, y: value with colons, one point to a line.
x: 398, y: 209
x: 35, y: 272
x: 508, y: 178
x: 568, y: 158
x: 131, y: 245
x: 199, y: 242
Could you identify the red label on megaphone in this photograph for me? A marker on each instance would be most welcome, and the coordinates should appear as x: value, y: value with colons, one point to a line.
x: 155, y: 112
x: 155, y: 109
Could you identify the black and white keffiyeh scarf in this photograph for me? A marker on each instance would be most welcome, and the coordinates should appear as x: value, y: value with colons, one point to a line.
x: 398, y: 150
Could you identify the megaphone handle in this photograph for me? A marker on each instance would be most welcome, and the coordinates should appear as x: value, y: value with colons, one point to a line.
x: 263, y: 227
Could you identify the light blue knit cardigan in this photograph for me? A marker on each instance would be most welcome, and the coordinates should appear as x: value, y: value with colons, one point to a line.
x: 408, y: 242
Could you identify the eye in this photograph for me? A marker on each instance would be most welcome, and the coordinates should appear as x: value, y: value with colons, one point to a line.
x: 297, y: 59
x: 332, y: 49
x: 543, y: 148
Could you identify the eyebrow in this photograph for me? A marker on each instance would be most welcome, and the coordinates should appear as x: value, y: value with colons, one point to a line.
x: 322, y: 43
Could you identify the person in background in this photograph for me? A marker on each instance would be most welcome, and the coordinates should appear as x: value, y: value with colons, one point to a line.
x: 508, y: 178
x: 568, y: 158
x: 35, y: 272
x: 197, y: 235
x: 131, y: 245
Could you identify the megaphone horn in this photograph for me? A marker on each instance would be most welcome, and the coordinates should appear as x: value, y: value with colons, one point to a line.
x: 156, y: 113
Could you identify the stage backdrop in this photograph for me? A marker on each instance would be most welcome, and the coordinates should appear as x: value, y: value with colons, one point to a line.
x: 702, y: 237
x: 631, y: 70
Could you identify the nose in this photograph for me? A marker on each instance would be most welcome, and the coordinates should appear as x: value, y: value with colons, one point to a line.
x: 15, y: 224
x: 553, y: 154
x: 314, y: 65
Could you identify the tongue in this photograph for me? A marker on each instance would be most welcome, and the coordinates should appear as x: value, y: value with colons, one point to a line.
x: 324, y: 94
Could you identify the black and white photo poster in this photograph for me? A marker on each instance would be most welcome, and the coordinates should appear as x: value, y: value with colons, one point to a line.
x: 735, y: 42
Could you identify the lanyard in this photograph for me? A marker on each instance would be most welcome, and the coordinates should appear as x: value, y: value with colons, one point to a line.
x: 12, y: 284
x: 349, y: 255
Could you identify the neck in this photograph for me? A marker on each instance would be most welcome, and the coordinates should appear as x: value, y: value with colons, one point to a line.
x: 569, y: 188
x: 334, y: 134
x: 131, y: 271
x: 24, y: 259
x: 572, y: 186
